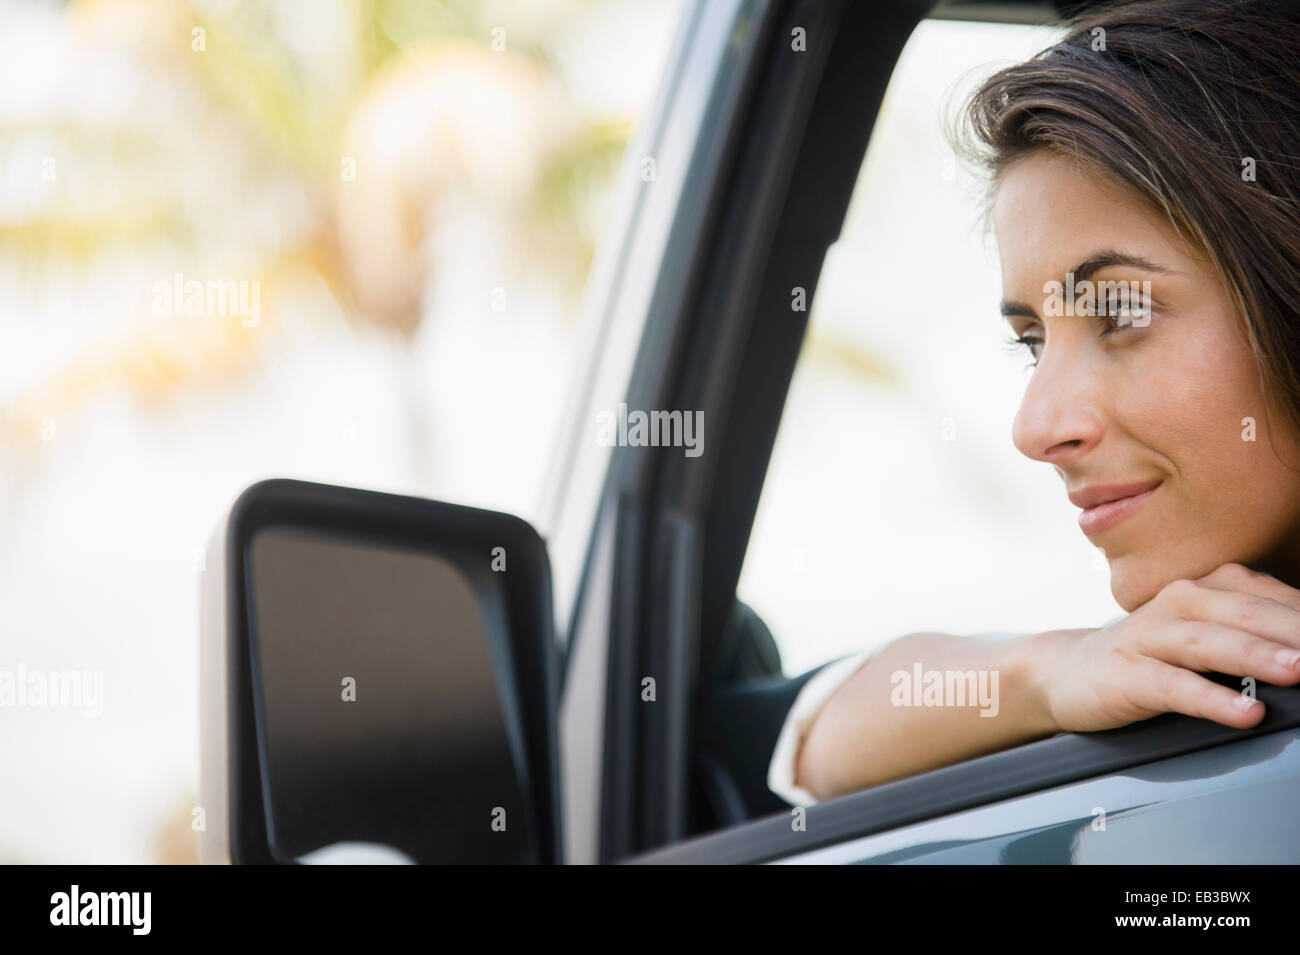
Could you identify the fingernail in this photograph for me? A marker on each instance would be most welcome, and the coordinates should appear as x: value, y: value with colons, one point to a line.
x: 1243, y: 702
x: 1288, y: 658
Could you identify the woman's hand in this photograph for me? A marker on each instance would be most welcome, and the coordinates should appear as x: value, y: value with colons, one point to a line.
x: 1235, y: 621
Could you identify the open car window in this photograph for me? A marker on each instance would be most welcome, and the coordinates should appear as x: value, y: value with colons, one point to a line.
x: 894, y: 501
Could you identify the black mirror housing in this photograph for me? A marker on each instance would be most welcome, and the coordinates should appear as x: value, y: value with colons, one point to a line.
x: 377, y: 668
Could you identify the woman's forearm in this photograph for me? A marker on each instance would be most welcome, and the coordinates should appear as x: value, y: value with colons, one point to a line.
x: 917, y: 704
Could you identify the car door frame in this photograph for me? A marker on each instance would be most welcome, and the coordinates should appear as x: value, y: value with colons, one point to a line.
x: 632, y: 308
x: 775, y: 171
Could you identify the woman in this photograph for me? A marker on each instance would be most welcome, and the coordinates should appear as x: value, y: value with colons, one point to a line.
x: 1145, y: 196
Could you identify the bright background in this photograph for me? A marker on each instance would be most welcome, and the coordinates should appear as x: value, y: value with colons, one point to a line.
x: 482, y: 176
x: 379, y: 360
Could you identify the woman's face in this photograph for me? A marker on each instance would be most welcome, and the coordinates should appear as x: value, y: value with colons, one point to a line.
x: 1156, y: 399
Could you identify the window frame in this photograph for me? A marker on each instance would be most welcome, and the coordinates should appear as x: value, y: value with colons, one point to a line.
x: 631, y: 310
x: 789, y: 143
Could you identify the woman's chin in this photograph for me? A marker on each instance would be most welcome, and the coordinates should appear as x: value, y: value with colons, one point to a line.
x: 1130, y: 598
x: 1136, y: 578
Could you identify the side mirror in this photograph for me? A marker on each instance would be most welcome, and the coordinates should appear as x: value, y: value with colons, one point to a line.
x: 378, y: 671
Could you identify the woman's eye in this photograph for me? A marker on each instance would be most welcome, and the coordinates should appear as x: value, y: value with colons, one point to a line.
x: 1030, y: 342
x: 1120, y: 310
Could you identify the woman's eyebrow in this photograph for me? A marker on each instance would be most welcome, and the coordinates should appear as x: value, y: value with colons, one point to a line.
x: 1016, y: 308
x: 1109, y: 257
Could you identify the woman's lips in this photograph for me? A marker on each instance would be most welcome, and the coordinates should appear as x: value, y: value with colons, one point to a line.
x: 1102, y: 517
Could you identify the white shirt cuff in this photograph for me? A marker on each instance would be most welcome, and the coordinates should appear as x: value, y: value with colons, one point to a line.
x: 809, y: 702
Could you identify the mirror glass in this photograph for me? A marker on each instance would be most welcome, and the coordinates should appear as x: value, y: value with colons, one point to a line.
x: 381, y: 688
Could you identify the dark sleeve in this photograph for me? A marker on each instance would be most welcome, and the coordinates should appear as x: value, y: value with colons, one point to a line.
x: 737, y: 730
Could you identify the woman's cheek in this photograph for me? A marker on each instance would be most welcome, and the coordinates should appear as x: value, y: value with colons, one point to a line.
x: 1175, y: 409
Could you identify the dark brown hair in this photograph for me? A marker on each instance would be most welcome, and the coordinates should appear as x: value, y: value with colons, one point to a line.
x: 1177, y: 101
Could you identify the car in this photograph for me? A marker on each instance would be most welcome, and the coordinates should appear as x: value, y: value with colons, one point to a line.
x: 616, y: 702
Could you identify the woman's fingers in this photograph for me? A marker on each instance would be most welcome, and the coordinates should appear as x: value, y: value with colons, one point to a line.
x: 1213, y: 647
x: 1254, y: 612
x: 1164, y: 688
x: 1234, y: 620
x: 1244, y: 580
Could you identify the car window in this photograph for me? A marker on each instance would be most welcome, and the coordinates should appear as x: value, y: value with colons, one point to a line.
x: 894, y: 501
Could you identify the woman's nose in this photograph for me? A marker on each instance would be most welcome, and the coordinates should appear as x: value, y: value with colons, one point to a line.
x: 1059, y: 421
